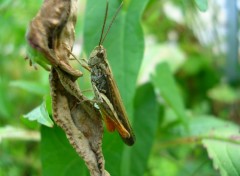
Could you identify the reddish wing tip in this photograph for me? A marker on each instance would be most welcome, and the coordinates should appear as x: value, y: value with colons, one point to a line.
x: 109, y: 124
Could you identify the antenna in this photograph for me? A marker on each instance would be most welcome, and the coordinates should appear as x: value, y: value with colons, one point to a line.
x: 102, y: 39
x: 104, y: 23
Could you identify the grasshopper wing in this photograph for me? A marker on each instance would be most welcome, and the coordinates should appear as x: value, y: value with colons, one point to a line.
x: 118, y: 106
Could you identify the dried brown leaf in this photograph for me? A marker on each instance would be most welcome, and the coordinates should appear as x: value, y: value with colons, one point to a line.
x: 81, y: 122
x: 51, y: 32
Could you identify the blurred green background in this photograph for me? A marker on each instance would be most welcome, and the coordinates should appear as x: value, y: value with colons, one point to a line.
x: 176, y: 64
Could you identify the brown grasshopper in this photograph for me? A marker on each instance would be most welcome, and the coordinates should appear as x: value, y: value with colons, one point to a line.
x: 106, y: 90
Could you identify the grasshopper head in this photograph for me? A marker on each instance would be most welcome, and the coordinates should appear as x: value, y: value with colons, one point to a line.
x: 97, y: 56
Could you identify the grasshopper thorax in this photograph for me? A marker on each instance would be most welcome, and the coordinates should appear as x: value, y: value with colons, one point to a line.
x: 97, y: 56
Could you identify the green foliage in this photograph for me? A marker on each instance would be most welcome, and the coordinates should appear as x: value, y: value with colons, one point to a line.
x: 223, y: 93
x: 122, y: 54
x: 222, y: 143
x: 145, y: 125
x: 202, y: 4
x: 220, y: 138
x: 166, y: 86
x: 125, y: 51
x: 159, y: 110
x: 118, y: 55
x: 30, y: 86
x: 58, y: 157
x: 37, y: 58
x: 225, y: 156
x: 41, y: 115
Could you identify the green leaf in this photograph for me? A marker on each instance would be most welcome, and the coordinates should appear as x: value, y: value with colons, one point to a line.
x: 5, y: 105
x: 40, y: 114
x: 221, y: 140
x: 113, y: 149
x: 223, y: 93
x: 165, y: 84
x: 58, y: 157
x: 125, y: 45
x: 224, y: 149
x: 204, y: 125
x: 202, y: 4
x: 48, y: 102
x: 145, y: 125
x: 225, y: 156
x: 33, y: 87
x: 29, y: 124
x: 37, y: 57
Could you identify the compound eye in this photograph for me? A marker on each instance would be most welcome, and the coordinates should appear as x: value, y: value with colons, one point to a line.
x: 100, y: 54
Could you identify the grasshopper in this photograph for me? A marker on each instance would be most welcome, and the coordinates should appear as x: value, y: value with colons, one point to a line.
x: 106, y: 90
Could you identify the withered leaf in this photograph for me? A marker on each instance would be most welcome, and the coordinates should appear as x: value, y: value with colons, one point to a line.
x: 81, y: 122
x: 51, y: 32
